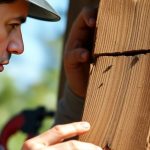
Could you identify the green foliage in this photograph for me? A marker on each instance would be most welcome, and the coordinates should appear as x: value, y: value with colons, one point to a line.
x: 14, y: 101
x: 16, y: 141
x: 7, y: 90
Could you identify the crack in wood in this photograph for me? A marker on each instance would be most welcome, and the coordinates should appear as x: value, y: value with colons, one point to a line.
x: 116, y: 54
x: 134, y: 61
x: 107, y: 69
x: 100, y: 85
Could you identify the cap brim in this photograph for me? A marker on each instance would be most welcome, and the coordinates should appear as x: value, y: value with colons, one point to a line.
x: 40, y: 9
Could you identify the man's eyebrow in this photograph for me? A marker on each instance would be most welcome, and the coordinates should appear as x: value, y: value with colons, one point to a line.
x: 22, y: 19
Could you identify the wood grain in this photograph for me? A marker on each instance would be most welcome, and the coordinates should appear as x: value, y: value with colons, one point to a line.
x: 118, y: 104
x: 118, y: 96
x: 123, y: 25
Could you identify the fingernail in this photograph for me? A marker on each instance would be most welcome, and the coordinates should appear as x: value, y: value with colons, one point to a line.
x: 92, y: 21
x: 85, y: 125
x: 84, y: 55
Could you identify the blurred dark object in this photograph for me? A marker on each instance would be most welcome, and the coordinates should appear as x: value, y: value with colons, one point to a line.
x: 27, y: 121
x: 74, y: 9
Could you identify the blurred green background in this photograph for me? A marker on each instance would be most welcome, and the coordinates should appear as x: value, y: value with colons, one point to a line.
x: 31, y: 80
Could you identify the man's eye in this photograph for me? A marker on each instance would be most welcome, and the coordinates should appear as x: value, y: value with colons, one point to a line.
x: 13, y: 26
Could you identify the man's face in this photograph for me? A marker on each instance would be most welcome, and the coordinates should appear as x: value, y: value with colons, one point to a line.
x: 12, y: 15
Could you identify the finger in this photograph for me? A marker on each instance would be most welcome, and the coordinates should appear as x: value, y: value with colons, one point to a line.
x: 79, y: 55
x: 89, y: 16
x: 82, y: 30
x: 61, y: 132
x: 73, y: 145
x: 58, y: 134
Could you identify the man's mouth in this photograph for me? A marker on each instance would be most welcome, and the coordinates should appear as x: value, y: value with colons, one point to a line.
x: 1, y: 67
x: 4, y: 61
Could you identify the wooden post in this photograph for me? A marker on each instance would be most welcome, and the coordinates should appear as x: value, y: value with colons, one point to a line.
x: 118, y: 96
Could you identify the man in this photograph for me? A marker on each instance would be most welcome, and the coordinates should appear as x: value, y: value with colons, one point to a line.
x: 13, y: 13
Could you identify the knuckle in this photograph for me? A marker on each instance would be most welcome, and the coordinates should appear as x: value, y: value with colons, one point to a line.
x: 85, y: 9
x: 85, y: 14
x: 58, y: 129
x: 89, y: 11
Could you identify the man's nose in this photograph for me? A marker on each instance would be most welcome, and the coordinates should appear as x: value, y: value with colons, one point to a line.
x: 16, y: 45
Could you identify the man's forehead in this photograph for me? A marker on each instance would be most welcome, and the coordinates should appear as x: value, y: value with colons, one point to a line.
x: 17, y: 10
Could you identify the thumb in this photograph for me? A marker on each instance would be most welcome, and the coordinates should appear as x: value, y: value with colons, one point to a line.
x: 57, y: 134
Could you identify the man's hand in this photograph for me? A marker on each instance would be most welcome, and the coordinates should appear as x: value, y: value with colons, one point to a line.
x: 78, y: 49
x: 53, y: 139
